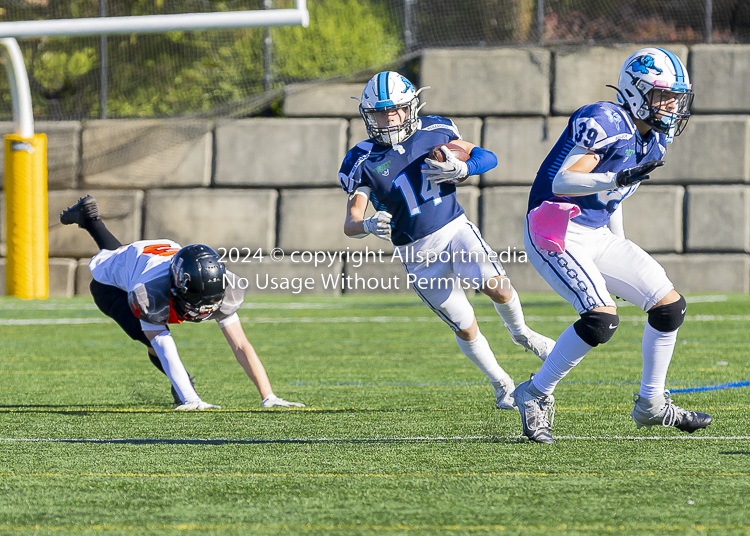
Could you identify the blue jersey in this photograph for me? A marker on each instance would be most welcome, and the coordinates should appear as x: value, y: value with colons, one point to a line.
x: 394, y: 176
x: 607, y: 130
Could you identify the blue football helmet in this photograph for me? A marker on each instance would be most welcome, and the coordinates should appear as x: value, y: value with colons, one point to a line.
x: 655, y: 87
x: 385, y: 92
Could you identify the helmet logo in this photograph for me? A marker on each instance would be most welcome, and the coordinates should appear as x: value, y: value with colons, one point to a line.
x: 181, y: 278
x: 642, y: 64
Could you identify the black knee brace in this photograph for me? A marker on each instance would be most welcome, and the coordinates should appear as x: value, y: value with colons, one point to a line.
x: 669, y: 317
x: 596, y: 328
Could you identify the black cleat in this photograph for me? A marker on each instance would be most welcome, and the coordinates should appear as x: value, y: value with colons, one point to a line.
x: 690, y: 421
x: 662, y: 411
x: 82, y: 212
x: 176, y: 397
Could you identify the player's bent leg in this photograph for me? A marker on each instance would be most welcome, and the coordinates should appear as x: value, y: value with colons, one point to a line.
x: 507, y: 304
x: 113, y: 302
x: 455, y: 310
x: 474, y: 345
x: 534, y: 398
x: 592, y: 329
x: 632, y: 273
x: 85, y: 213
x: 598, y: 326
x: 475, y: 262
x: 653, y: 404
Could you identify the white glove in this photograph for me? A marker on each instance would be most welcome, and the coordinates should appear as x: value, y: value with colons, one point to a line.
x: 197, y: 404
x: 450, y: 171
x: 379, y: 225
x: 273, y: 401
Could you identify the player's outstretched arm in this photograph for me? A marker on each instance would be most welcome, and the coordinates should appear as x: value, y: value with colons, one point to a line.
x: 355, y: 224
x: 166, y: 350
x: 248, y: 359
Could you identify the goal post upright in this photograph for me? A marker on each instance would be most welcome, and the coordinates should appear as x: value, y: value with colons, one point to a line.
x: 27, y: 267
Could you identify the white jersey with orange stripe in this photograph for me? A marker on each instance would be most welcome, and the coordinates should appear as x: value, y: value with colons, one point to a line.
x: 142, y: 270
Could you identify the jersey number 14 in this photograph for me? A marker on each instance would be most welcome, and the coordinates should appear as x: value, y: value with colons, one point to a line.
x: 428, y: 190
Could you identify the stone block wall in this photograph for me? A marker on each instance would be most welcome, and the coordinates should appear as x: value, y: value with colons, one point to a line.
x: 260, y: 184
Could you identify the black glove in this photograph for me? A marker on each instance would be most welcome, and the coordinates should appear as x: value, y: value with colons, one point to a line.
x: 635, y: 174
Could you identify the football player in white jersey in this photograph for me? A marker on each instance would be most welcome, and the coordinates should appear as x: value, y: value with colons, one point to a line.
x: 574, y: 237
x: 417, y: 210
x: 146, y: 285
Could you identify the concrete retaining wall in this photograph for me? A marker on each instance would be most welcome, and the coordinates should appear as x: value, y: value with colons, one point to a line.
x: 260, y: 184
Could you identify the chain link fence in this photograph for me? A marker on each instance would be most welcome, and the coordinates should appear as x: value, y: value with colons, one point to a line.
x: 234, y: 73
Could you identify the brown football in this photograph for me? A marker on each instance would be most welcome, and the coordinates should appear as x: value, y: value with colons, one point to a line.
x: 457, y: 150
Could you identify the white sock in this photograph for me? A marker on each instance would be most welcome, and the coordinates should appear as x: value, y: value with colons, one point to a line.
x: 512, y: 315
x: 480, y: 353
x: 658, y: 347
x: 567, y: 353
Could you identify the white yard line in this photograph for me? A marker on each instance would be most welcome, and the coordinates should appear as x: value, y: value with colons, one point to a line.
x: 366, y: 319
x: 48, y: 321
x: 362, y: 439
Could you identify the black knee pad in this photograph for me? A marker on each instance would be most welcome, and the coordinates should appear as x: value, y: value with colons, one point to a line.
x: 669, y: 317
x: 596, y: 328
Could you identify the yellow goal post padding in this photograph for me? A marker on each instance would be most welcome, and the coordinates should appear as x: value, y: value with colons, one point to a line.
x: 27, y: 267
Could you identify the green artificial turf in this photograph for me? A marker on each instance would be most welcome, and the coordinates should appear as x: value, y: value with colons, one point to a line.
x: 399, y: 435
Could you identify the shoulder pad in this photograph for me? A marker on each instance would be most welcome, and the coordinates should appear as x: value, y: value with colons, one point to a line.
x: 350, y: 173
x: 151, y: 300
x: 233, y: 298
x: 596, y: 126
x: 435, y: 122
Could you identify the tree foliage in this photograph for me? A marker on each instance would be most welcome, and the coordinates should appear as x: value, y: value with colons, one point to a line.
x: 186, y: 72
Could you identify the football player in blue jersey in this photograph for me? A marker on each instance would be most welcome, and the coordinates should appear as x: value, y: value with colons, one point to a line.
x: 416, y: 208
x: 574, y: 237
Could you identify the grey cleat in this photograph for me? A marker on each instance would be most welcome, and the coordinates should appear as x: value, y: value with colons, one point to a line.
x: 503, y: 396
x: 534, y: 342
x: 537, y: 412
x: 661, y: 410
x: 83, y: 211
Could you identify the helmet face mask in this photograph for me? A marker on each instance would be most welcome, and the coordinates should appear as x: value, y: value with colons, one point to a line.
x: 668, y: 110
x: 654, y: 87
x: 388, y: 95
x: 196, y: 282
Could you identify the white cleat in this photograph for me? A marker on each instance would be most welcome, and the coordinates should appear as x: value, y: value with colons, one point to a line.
x: 535, y: 342
x: 197, y: 404
x: 503, y: 396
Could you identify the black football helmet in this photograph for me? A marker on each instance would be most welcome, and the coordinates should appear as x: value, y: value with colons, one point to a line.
x: 197, y: 282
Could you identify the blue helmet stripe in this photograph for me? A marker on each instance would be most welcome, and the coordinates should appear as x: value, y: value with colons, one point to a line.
x: 383, y: 86
x: 677, y: 65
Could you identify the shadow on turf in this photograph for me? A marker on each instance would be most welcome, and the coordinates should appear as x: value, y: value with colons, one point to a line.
x: 744, y: 453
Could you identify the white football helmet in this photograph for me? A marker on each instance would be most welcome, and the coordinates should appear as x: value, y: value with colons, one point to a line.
x: 384, y: 92
x: 649, y: 79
